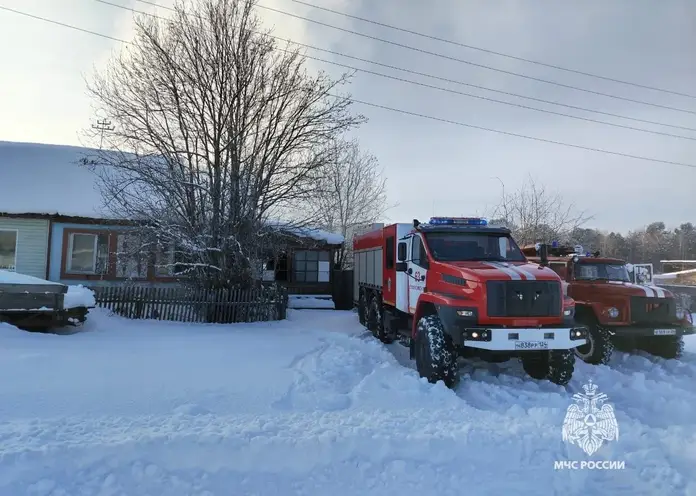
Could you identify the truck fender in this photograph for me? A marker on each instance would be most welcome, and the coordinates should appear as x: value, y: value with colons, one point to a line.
x: 585, y: 313
x: 429, y: 304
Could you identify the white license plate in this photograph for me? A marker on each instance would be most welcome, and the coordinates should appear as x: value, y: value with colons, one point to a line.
x: 665, y: 332
x: 531, y: 345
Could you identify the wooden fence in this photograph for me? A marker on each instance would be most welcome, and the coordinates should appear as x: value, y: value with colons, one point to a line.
x: 191, y: 305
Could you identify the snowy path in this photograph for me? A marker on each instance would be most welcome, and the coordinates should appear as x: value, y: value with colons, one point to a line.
x: 313, y: 406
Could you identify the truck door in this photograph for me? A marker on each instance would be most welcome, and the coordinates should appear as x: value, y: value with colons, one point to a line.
x: 416, y: 272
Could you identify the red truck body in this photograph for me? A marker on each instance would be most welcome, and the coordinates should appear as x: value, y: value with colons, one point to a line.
x: 615, y: 310
x: 469, y: 279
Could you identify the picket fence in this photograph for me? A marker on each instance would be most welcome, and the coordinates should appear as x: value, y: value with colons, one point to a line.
x: 191, y: 305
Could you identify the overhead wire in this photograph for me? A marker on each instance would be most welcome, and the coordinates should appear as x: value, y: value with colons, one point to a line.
x: 462, y: 61
x: 486, y: 50
x: 409, y: 71
x: 393, y: 109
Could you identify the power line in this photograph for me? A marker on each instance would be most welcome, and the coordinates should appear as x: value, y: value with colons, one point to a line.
x: 462, y: 61
x: 461, y: 83
x: 498, y: 131
x: 485, y: 50
x: 447, y: 90
x: 404, y: 112
x: 62, y: 24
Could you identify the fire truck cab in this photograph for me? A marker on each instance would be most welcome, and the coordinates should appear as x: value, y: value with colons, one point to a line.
x: 616, y: 311
x: 458, y: 287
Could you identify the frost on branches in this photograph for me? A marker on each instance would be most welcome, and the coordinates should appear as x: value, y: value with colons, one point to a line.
x: 216, y: 130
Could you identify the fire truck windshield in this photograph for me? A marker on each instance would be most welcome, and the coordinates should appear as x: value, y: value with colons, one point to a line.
x: 475, y: 246
x: 588, y: 271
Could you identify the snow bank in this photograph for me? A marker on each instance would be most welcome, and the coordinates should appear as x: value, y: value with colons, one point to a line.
x: 10, y: 277
x: 79, y: 296
x: 314, y: 405
x: 310, y: 302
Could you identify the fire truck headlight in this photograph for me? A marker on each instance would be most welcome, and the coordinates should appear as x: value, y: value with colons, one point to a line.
x: 613, y: 312
x: 465, y: 313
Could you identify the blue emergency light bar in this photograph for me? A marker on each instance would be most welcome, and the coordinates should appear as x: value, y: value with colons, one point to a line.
x: 462, y: 221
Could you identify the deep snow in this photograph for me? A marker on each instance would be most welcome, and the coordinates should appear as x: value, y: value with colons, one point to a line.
x: 314, y: 406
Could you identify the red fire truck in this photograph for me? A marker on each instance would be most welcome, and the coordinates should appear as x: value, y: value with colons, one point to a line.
x: 458, y: 287
x: 616, y: 311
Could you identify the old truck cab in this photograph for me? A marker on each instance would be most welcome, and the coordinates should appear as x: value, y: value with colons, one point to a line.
x: 616, y: 311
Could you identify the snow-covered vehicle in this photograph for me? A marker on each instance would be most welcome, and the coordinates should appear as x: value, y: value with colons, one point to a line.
x: 37, y: 304
x: 459, y: 287
x: 615, y: 310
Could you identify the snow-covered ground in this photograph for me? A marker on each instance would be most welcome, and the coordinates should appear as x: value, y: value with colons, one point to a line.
x: 315, y: 406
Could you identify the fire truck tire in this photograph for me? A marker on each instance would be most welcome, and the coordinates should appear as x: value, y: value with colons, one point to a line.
x: 599, y: 346
x: 362, y: 308
x: 536, y: 366
x: 375, y: 321
x: 436, y: 359
x: 557, y: 366
x: 561, y: 366
x: 668, y: 347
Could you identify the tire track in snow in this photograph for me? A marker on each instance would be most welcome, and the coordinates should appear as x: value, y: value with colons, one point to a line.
x: 426, y: 451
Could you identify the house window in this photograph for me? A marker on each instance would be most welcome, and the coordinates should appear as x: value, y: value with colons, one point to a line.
x: 88, y: 253
x: 312, y: 266
x: 8, y: 249
x: 131, y: 258
x: 165, y: 262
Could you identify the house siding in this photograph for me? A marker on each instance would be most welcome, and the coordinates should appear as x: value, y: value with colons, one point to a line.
x: 32, y: 244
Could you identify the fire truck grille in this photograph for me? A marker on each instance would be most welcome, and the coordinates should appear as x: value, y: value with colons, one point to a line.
x: 524, y: 298
x: 646, y: 310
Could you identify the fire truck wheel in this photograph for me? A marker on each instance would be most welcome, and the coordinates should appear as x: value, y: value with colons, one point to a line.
x: 561, y: 366
x: 362, y: 308
x: 436, y: 359
x: 376, y: 321
x: 669, y: 347
x: 598, y: 348
x: 536, y: 365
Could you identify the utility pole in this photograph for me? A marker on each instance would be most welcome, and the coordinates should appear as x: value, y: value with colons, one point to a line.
x: 101, y: 126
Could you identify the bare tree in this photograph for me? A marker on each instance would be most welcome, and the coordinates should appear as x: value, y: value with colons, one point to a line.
x: 351, y: 193
x: 536, y: 215
x: 216, y: 131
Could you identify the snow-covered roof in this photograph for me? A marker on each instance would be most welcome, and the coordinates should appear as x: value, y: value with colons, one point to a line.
x: 306, y: 232
x: 47, y: 179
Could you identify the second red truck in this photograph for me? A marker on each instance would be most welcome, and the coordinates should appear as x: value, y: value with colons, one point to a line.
x: 458, y: 287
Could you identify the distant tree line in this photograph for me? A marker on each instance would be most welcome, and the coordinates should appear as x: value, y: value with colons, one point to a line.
x: 536, y: 215
x: 649, y: 245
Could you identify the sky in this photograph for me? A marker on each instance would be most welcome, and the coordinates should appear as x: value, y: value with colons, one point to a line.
x: 433, y: 167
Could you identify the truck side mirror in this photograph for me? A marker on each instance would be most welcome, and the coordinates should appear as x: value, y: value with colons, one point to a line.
x: 401, y: 255
x: 544, y: 255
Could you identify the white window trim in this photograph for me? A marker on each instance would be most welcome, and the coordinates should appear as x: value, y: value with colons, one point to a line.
x: 68, y: 267
x: 16, y: 231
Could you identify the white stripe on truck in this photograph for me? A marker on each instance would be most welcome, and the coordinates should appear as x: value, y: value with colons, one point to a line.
x: 513, y: 274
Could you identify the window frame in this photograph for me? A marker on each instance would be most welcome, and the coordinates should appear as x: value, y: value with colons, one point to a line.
x: 95, y: 255
x: 304, y: 271
x: 422, y: 260
x: 16, y: 248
